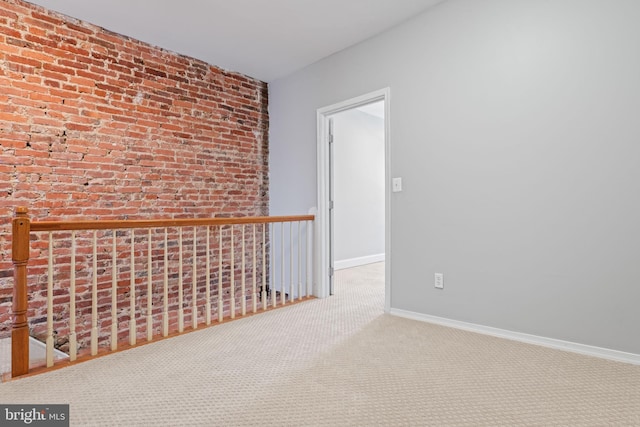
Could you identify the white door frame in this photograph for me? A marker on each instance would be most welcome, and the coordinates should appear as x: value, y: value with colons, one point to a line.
x: 323, y: 263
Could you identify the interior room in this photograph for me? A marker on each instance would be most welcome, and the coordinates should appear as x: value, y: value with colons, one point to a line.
x: 492, y: 279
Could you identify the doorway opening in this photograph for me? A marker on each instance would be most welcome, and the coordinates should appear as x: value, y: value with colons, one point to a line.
x: 353, y: 188
x: 358, y: 189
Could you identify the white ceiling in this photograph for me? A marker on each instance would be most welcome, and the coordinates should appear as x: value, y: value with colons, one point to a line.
x: 375, y: 109
x: 265, y: 39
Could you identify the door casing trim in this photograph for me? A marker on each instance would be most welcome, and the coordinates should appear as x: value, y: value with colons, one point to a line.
x: 322, y: 262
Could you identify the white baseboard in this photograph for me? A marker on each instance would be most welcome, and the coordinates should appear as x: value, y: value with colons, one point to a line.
x: 603, y: 353
x: 355, y: 262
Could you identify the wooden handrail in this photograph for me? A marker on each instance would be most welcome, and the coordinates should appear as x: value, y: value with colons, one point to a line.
x: 159, y: 223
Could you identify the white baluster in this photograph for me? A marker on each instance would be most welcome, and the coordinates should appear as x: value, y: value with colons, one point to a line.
x: 149, y: 289
x: 114, y: 293
x: 132, y: 292
x: 299, y: 260
x: 272, y: 249
x: 220, y: 300
x: 208, y: 275
x: 243, y: 303
x: 180, y: 289
x: 264, y: 267
x: 165, y: 291
x: 282, y: 272
x: 73, y: 345
x: 253, y: 296
x: 94, y: 298
x: 194, y: 283
x: 291, y: 279
x: 50, y: 304
x: 309, y: 257
x: 232, y: 292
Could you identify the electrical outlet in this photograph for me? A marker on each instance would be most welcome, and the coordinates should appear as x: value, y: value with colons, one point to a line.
x: 439, y: 281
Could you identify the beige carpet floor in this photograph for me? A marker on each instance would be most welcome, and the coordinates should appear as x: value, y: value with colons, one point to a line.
x: 339, y: 362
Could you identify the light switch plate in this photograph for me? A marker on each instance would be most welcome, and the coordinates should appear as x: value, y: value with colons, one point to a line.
x: 396, y: 185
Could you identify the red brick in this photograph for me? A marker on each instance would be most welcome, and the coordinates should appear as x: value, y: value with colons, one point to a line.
x: 102, y: 126
x: 79, y: 28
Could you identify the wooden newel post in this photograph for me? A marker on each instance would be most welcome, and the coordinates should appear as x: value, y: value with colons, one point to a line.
x: 20, y: 328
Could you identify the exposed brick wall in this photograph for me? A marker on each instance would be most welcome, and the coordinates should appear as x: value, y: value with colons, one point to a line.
x: 97, y: 125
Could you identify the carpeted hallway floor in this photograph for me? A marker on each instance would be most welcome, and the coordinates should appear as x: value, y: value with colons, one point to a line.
x: 339, y: 362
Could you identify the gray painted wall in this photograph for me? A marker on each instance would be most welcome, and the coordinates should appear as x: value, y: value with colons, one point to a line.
x: 359, y: 185
x: 515, y: 126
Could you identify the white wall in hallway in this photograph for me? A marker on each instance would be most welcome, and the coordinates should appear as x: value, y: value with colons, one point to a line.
x: 359, y: 188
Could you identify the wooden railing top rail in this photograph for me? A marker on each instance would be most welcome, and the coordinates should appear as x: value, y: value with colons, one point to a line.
x: 159, y: 223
